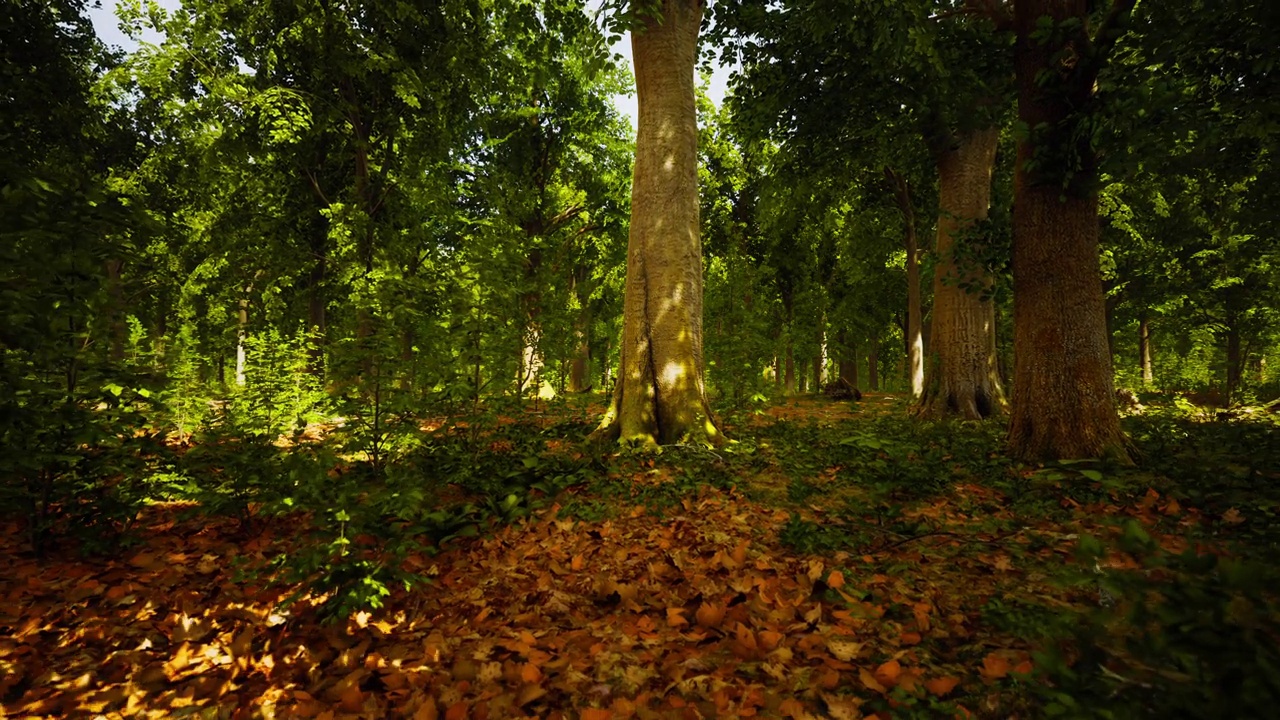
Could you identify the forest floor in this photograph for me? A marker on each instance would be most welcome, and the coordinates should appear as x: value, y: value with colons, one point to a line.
x: 837, y: 561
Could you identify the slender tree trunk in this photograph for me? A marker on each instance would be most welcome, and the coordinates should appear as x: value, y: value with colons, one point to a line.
x: 242, y: 334
x: 661, y: 392
x: 316, y: 315
x: 580, y: 365
x: 1065, y: 403
x: 873, y: 364
x: 1235, y: 360
x: 1144, y: 350
x: 914, y: 336
x: 963, y: 377
x: 789, y: 375
x: 117, y: 329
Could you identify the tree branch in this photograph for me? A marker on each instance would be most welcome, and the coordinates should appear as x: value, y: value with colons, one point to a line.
x: 1109, y: 31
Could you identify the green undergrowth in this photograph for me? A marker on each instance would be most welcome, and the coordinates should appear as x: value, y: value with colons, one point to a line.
x: 1166, y: 606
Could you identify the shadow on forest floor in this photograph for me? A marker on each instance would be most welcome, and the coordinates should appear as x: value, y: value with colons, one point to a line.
x: 837, y: 561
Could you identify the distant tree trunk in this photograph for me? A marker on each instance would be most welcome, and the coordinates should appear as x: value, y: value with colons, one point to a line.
x: 1065, y: 403
x: 789, y: 376
x: 1144, y: 350
x: 242, y: 335
x: 580, y: 364
x: 914, y: 336
x: 117, y: 329
x: 873, y: 364
x: 777, y: 372
x: 962, y: 377
x: 661, y: 393
x: 316, y: 315
x: 1235, y: 359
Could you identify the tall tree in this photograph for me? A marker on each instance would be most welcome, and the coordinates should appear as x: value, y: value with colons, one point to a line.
x: 660, y: 395
x: 1065, y: 404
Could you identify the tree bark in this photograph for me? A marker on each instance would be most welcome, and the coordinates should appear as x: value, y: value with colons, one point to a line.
x: 789, y: 372
x: 1144, y: 350
x: 1064, y: 407
x: 661, y: 393
x: 117, y: 328
x: 873, y: 365
x: 962, y: 376
x: 1235, y: 359
x: 914, y: 336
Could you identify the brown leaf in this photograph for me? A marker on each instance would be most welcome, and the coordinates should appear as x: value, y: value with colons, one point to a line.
x: 676, y: 618
x: 597, y: 713
x: 836, y: 579
x: 994, y: 666
x: 427, y: 710
x: 941, y: 686
x: 870, y: 681
x: 887, y: 674
x: 710, y: 616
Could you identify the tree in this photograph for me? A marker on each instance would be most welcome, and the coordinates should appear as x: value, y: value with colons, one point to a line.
x: 660, y: 395
x: 1064, y: 404
x: 848, y: 82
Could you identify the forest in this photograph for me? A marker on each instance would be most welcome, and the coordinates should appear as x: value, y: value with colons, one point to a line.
x: 368, y: 359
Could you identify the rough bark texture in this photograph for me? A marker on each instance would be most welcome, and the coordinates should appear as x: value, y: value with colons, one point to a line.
x: 1144, y: 350
x: 962, y: 377
x: 1064, y: 404
x: 660, y: 396
x: 914, y: 336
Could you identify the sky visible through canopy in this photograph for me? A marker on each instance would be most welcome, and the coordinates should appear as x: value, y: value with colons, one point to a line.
x: 108, y: 29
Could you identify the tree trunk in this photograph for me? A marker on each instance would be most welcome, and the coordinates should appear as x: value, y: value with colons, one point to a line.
x: 789, y: 374
x: 316, y: 306
x: 963, y: 377
x: 242, y: 334
x: 117, y: 329
x: 1065, y: 403
x: 661, y: 393
x: 1144, y: 350
x: 1235, y: 360
x: 580, y: 365
x: 914, y: 336
x: 873, y: 365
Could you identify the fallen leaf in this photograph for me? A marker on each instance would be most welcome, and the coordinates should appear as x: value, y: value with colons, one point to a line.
x: 836, y: 579
x: 887, y: 674
x: 994, y: 666
x: 710, y: 616
x: 941, y: 686
x: 596, y: 714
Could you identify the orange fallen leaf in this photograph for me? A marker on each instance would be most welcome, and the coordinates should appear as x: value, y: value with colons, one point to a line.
x: 870, y: 681
x: 577, y: 563
x: 994, y: 667
x: 676, y: 618
x: 887, y: 674
x: 596, y: 714
x: 910, y: 638
x: 710, y: 616
x: 427, y: 711
x: 836, y: 579
x: 941, y: 686
x: 456, y: 711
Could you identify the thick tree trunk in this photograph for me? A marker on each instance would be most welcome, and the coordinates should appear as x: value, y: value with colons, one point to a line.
x: 661, y: 394
x: 1064, y: 406
x: 914, y: 336
x: 1144, y: 350
x: 963, y: 377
